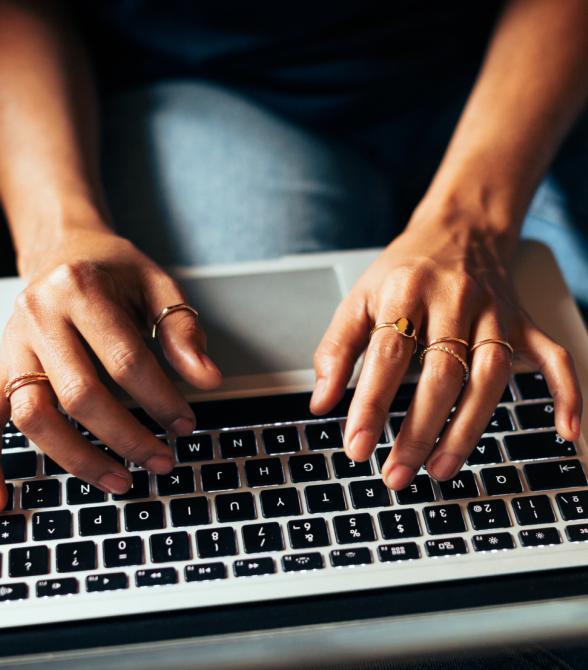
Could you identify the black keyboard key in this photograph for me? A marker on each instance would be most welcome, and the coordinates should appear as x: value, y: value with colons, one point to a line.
x: 13, y: 529
x: 344, y: 467
x: 167, y: 547
x: 261, y: 537
x: 149, y: 423
x: 308, y: 533
x: 299, y: 562
x: 369, y: 493
x: 101, y: 520
x: 205, y: 572
x: 85, y: 432
x: 189, y: 511
x: 192, y: 448
x: 237, y: 443
x: 354, y: 528
x: 418, y: 491
x: 251, y: 567
x: 507, y: 395
x: 14, y: 591
x: 264, y: 472
x: 500, y: 421
x: 577, y: 532
x: 485, y: 452
x: 281, y: 440
x: 56, y: 525
x: 463, y: 485
x: 57, y: 587
x: 573, y: 505
x: 325, y: 498
x: 533, y: 446
x: 403, y: 551
x: 280, y: 502
x: 111, y: 581
x: 144, y: 516
x: 308, y: 468
x: 28, y: 561
x: 487, y: 514
x: 381, y: 456
x: 501, y: 481
x: 14, y: 442
x: 50, y: 467
x: 40, y: 493
x: 342, y: 558
x: 536, y: 415
x: 532, y: 385
x: 177, y: 482
x: 139, y: 487
x: 449, y: 546
x: 79, y: 492
x: 219, y: 476
x: 9, y: 498
x: 110, y: 453
x: 398, y: 524
x: 123, y: 551
x: 555, y: 475
x: 156, y: 577
x: 75, y: 556
x: 493, y: 541
x: 537, y: 537
x: 533, y: 509
x: 395, y: 424
x: 444, y: 519
x: 324, y: 435
x: 213, y: 542
x: 235, y: 507
x: 19, y: 465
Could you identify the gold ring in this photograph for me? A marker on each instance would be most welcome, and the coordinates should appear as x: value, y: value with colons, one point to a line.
x: 504, y: 343
x: 440, y: 340
x: 166, y: 311
x: 22, y: 380
x: 403, y: 326
x: 447, y: 350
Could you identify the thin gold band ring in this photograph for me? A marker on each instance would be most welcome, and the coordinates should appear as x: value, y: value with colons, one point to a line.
x: 504, y: 343
x: 440, y: 340
x: 166, y: 311
x: 447, y: 350
x: 23, y: 380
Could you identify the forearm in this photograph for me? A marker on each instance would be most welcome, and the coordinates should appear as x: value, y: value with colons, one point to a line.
x: 48, y: 129
x: 531, y: 88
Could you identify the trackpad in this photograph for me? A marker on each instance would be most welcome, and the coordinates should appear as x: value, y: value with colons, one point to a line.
x: 267, y: 322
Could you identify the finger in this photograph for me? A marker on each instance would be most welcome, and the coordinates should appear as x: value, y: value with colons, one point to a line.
x: 4, y: 416
x: 557, y: 367
x: 180, y: 335
x: 83, y: 397
x: 121, y: 349
x: 439, y: 386
x: 34, y: 413
x: 338, y: 351
x: 386, y: 361
x: 490, y: 370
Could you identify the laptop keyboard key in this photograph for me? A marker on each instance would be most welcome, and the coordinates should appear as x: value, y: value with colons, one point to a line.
x: 501, y: 481
x: 308, y: 533
x: 487, y: 514
x: 120, y: 552
x: 555, y: 475
x: 264, y: 472
x: 57, y: 587
x: 398, y: 524
x: 237, y: 443
x: 577, y: 532
x: 213, y: 542
x: 101, y: 520
x: 534, y: 446
x: 50, y: 467
x: 19, y: 465
x: 493, y: 541
x: 189, y: 511
x: 75, y: 556
x: 252, y: 567
x: 420, y: 490
x: 281, y: 440
x: 149, y: 423
x: 14, y: 442
x: 298, y: 562
x: 450, y: 546
x: 139, y: 488
x: 403, y: 551
x: 395, y: 424
x: 351, y: 556
x: 324, y: 435
x: 500, y: 421
x: 235, y: 507
x: 40, y: 493
x: 13, y: 591
x: 55, y: 525
x: 156, y: 577
x: 485, y: 452
x: 144, y: 516
x: 219, y: 476
x: 9, y: 498
x: 537, y: 537
x: 110, y: 581
x: 193, y: 448
x: 345, y: 467
x: 381, y: 456
x: 444, y: 519
x: 573, y: 505
x: 369, y: 493
x: 79, y: 492
x: 463, y: 485
x: 28, y: 561
x: 280, y: 502
x: 262, y: 537
x: 325, y: 498
x: 13, y: 529
x: 532, y: 385
x: 536, y: 415
x: 308, y: 468
x: 177, y: 482
x: 205, y: 572
x: 167, y: 547
x: 533, y: 509
x: 354, y: 528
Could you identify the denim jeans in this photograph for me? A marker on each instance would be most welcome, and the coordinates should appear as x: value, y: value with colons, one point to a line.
x: 196, y: 174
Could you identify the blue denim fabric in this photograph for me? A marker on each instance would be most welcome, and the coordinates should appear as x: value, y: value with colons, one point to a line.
x: 196, y: 175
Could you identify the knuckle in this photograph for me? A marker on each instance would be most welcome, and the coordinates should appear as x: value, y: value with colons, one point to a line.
x: 27, y: 301
x: 27, y: 414
x: 79, y: 275
x: 374, y: 409
x: 76, y: 394
x: 125, y: 362
x: 442, y: 367
x: 562, y: 354
x: 393, y: 350
x: 419, y: 449
x: 495, y: 357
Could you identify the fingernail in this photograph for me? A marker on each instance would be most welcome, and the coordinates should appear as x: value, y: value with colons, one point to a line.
x: 182, y: 426
x: 208, y: 362
x: 161, y: 465
x: 444, y: 466
x: 361, y: 445
x: 319, y: 391
x: 399, y: 476
x: 114, y: 483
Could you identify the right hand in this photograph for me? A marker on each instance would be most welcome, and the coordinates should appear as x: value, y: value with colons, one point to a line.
x: 96, y: 290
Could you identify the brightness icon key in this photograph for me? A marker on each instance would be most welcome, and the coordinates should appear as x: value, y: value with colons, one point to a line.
x: 493, y: 541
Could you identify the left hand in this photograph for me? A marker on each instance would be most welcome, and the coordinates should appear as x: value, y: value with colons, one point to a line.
x: 449, y: 279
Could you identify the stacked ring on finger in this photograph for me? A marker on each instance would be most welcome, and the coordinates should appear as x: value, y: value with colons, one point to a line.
x: 481, y: 343
x: 403, y: 326
x: 447, y: 350
x: 23, y: 380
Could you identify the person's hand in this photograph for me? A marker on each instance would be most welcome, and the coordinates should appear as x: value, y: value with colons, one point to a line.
x: 96, y: 291
x: 450, y: 281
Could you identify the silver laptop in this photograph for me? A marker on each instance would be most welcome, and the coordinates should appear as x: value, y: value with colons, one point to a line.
x: 266, y: 547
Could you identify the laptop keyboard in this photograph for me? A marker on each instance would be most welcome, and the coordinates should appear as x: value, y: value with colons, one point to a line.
x: 263, y: 489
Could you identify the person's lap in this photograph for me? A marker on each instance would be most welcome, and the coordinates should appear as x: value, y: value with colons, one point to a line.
x: 196, y: 175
